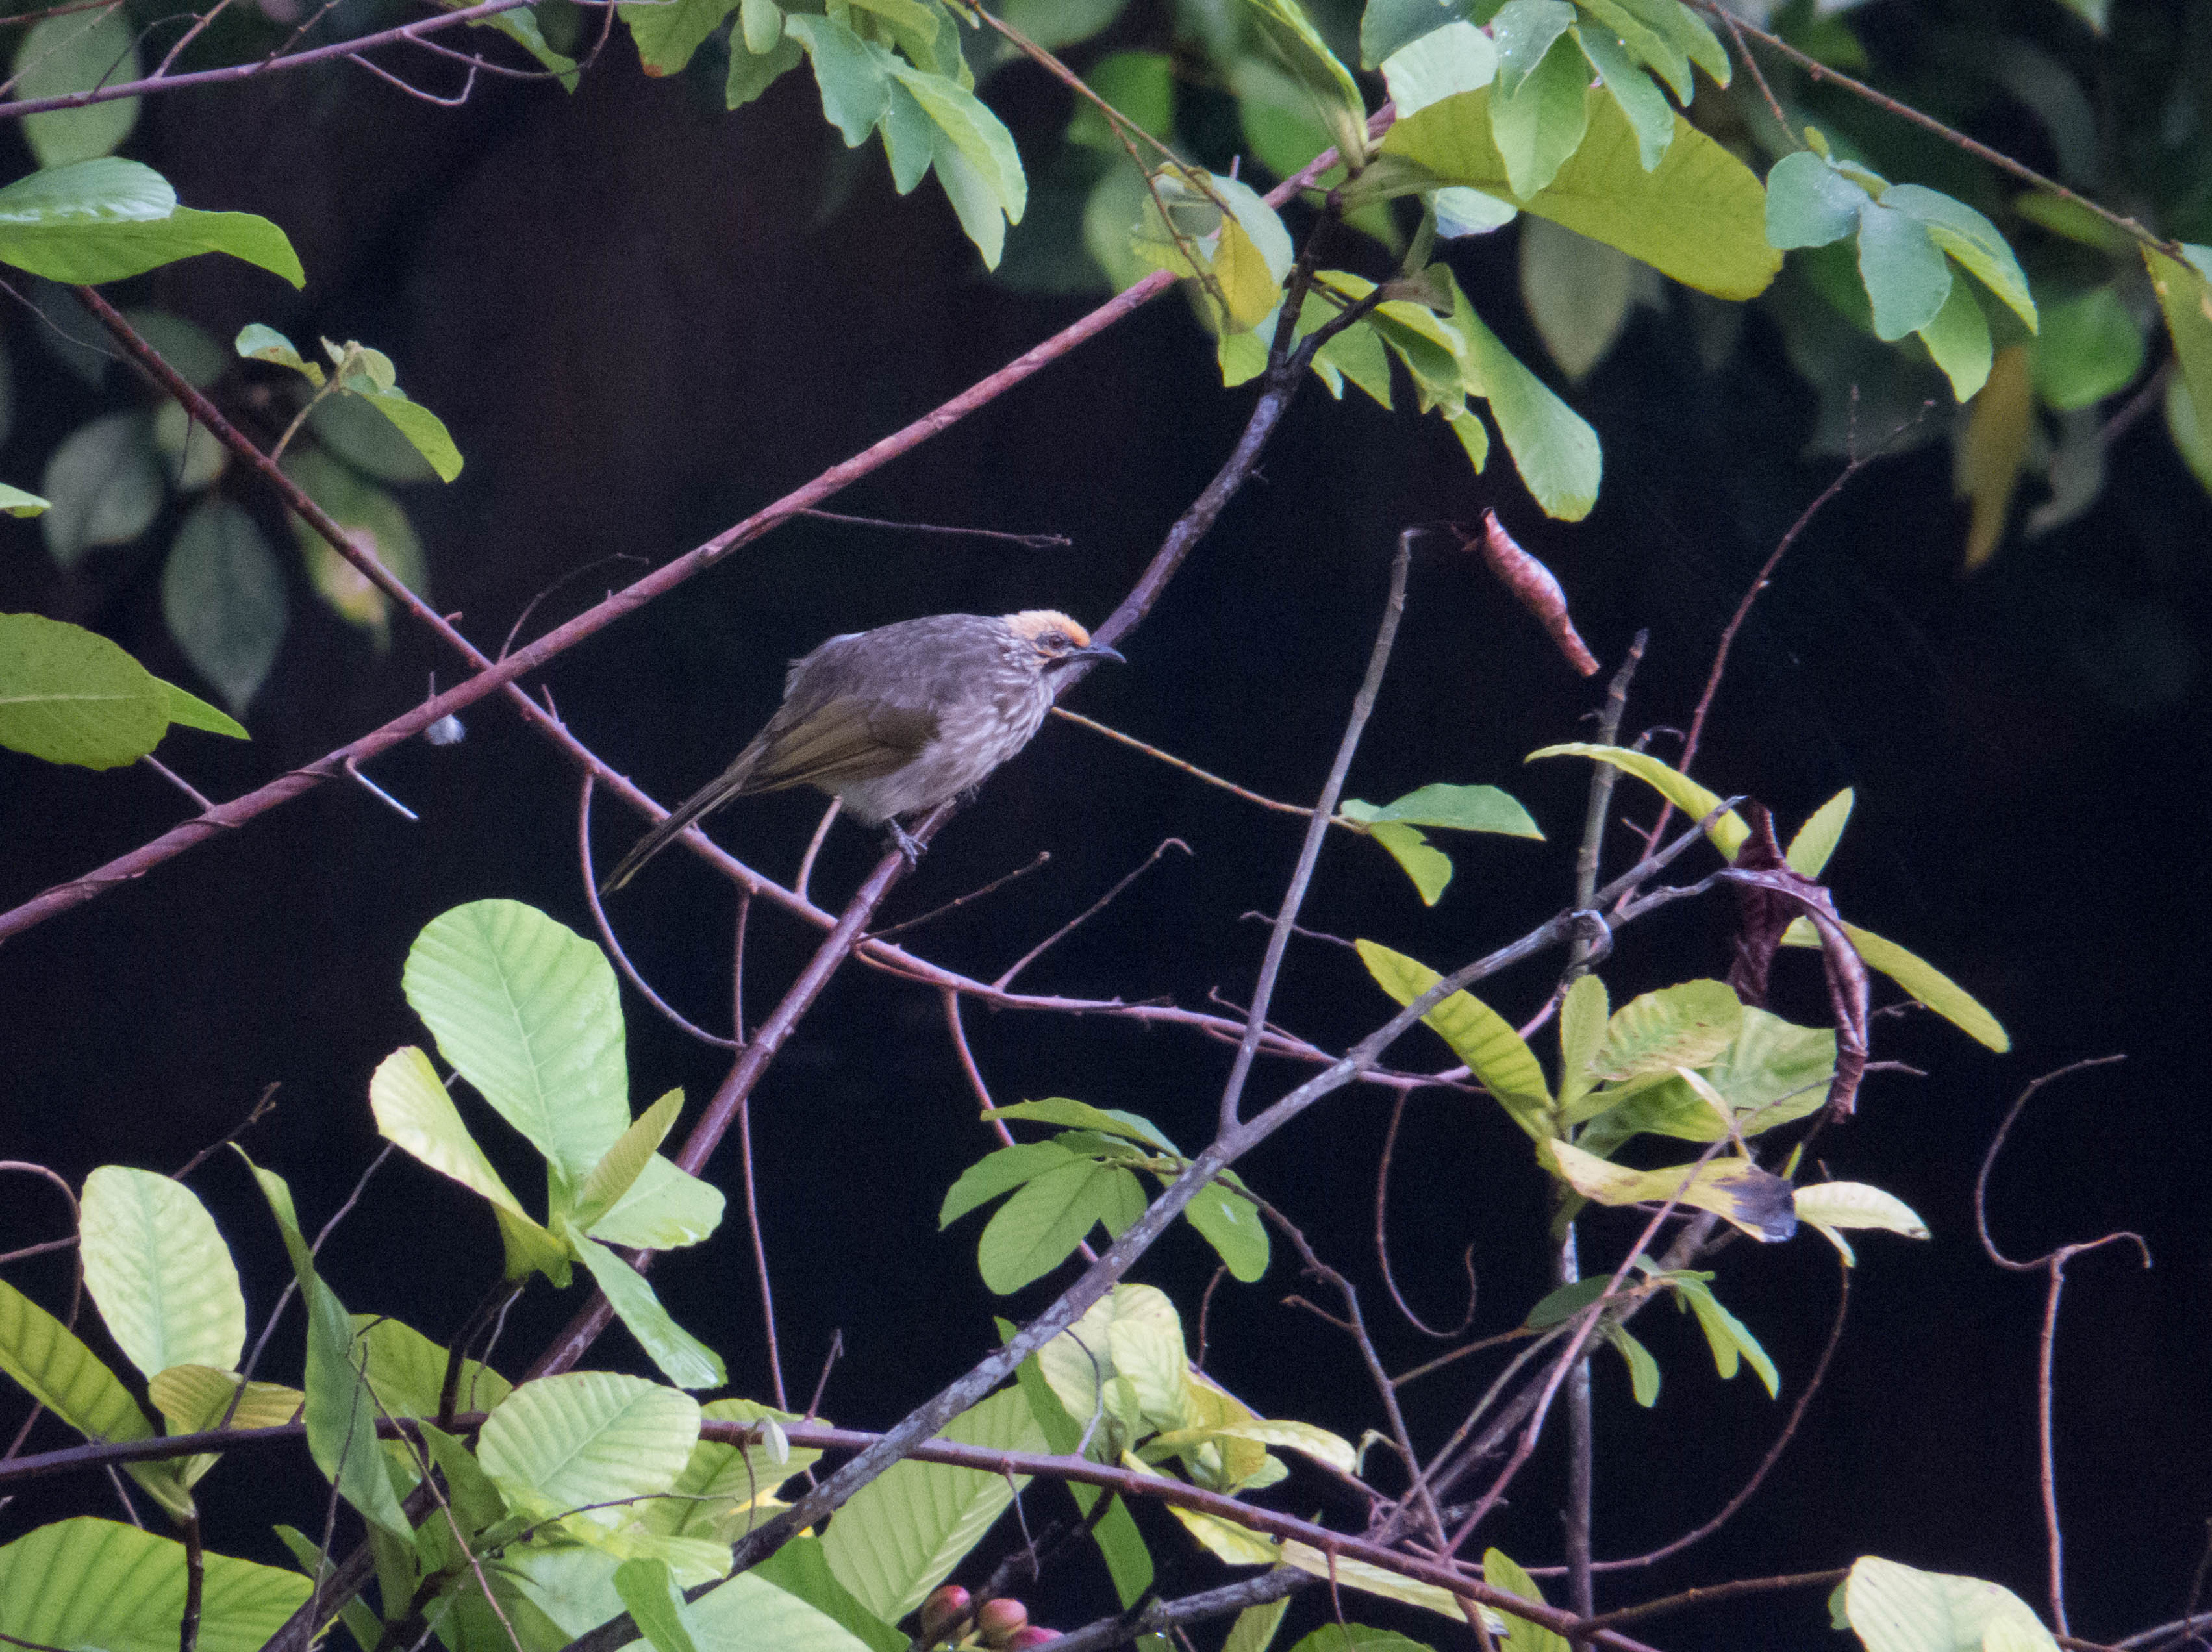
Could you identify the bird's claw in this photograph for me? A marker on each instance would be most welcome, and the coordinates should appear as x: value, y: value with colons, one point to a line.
x: 906, y: 843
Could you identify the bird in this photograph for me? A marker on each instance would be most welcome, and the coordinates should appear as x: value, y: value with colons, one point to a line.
x: 897, y: 720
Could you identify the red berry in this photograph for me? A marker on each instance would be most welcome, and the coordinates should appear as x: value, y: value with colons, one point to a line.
x: 999, y: 1621
x: 942, y: 1609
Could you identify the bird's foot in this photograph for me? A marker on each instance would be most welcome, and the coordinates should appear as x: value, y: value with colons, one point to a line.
x: 905, y: 842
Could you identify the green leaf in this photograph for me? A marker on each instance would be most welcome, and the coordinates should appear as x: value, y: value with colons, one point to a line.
x: 1681, y: 1026
x: 1829, y: 1206
x: 1055, y: 23
x: 1652, y: 47
x: 1809, y: 203
x: 801, y: 1569
x: 1687, y: 33
x: 976, y: 161
x: 522, y: 27
x: 1700, y: 218
x: 684, y: 1359
x: 191, y: 456
x: 16, y: 502
x: 1958, y: 340
x: 406, y: 1370
x: 105, y: 220
x: 1523, y: 31
x: 1905, y: 275
x: 613, y: 1176
x: 1554, y: 450
x: 1457, y: 58
x: 654, y: 1604
x: 1970, y: 239
x: 372, y: 519
x: 1037, y: 1228
x: 1734, y: 1189
x: 1141, y: 86
x: 561, y: 1443
x: 77, y: 52
x: 2185, y: 296
x: 1081, y: 1115
x: 475, y: 1501
x: 104, y: 486
x: 750, y: 75
x: 189, y: 711
x: 1773, y: 1074
x: 164, y: 1280
x: 1478, y: 1035
x: 1536, y: 123
x: 341, y: 1411
x: 752, y: 1614
x: 1296, y: 45
x: 1726, y: 832
x: 356, y: 433
x: 855, y: 91
x: 1635, y: 93
x: 1726, y: 1334
x: 69, y: 696
x: 87, y: 1583
x: 2190, y: 435
x: 1454, y: 808
x: 60, y: 1373
x: 901, y: 1534
x: 1521, y: 1634
x: 423, y: 429
x: 1897, y: 1609
x: 1577, y: 291
x: 1923, y: 981
x: 222, y: 597
x: 1430, y: 869
x: 665, y: 1209
x: 528, y: 1011
x: 667, y: 34
x: 259, y: 343
x: 1255, y: 1628
x: 1816, y: 839
x: 1643, y: 1369
x: 1388, y: 27
x: 999, y: 1173
x: 1230, y: 1223
x: 2090, y: 348
x: 1584, y: 1014
x: 197, y: 1397
x: 723, y: 1488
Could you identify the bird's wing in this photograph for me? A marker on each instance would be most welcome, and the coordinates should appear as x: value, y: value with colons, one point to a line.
x: 841, y: 740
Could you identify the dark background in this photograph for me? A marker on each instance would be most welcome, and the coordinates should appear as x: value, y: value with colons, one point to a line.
x: 641, y: 322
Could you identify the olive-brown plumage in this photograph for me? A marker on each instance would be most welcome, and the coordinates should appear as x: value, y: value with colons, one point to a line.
x: 897, y: 720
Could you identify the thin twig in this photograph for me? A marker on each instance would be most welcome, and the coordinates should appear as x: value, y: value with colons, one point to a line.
x: 1362, y: 705
x: 668, y: 1012
x: 1028, y: 541
x: 1043, y: 858
x: 1088, y: 913
x: 1190, y: 768
x: 1711, y: 1592
x: 175, y: 780
x: 814, y: 848
x: 1382, y: 1242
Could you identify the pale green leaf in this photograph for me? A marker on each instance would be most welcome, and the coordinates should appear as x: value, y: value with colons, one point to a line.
x: 1643, y: 1369
x: 1958, y: 341
x: 2185, y: 295
x: 1726, y: 1334
x: 1298, y: 47
x: 1523, y: 31
x: 589, y: 1437
x: 1038, y: 1228
x: 17, y: 502
x: 668, y: 32
x: 528, y: 1011
x: 1521, y: 1635
x: 164, y: 1280
x: 1455, y: 808
x: 1081, y: 1115
x: 1390, y: 26
x: 259, y: 343
x: 69, y: 696
x: 750, y: 1614
x: 1633, y: 91
x: 901, y: 1534
x: 423, y: 429
x: 1685, y: 1025
x: 1578, y: 292
x: 1923, y: 981
x: 613, y: 1176
x: 1856, y: 1204
x: 60, y: 1373
x: 654, y: 1605
x: 1700, y: 217
x: 197, y: 1397
x: 1536, y: 123
x: 98, y: 1583
x: 1816, y: 839
x: 1898, y: 1608
x: 855, y: 90
x: 2090, y: 348
x: 666, y: 1208
x: 999, y: 1173
x: 406, y: 1370
x: 1430, y: 868
x: 1809, y: 203
x: 1906, y: 277
x: 1478, y: 1035
x: 1230, y: 1223
x: 414, y: 1112
x: 1584, y: 1014
x: 1726, y: 832
x: 1456, y: 58
x: 1736, y: 1190
x: 1970, y: 239
x: 1554, y: 448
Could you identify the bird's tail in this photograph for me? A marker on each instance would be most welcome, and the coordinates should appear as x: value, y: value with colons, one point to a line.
x: 731, y: 783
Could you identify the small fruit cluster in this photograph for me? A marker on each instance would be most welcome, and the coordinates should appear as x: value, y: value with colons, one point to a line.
x: 951, y: 1617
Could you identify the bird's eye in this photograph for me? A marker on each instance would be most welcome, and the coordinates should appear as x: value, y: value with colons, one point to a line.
x: 1053, y: 643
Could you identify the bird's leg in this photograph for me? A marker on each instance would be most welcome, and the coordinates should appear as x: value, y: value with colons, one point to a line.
x: 905, y: 841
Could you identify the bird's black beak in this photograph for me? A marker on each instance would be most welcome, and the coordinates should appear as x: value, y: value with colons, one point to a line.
x: 1098, y: 650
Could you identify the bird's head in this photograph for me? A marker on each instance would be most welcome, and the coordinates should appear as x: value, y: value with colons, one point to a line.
x: 1055, y: 638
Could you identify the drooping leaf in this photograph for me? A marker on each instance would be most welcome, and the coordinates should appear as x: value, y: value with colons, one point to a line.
x: 1727, y: 830
x: 1726, y: 1334
x: 1898, y: 1608
x: 1643, y: 1369
x: 1554, y: 448
x: 1986, y: 462
x: 1538, y: 122
x: 1230, y: 1223
x: 2089, y: 348
x: 1578, y: 292
x: 104, y: 220
x: 1829, y: 1206
x: 2184, y: 295
x: 667, y: 34
x: 1634, y: 93
x: 69, y: 696
x: 341, y: 1411
x: 161, y: 1275
x: 223, y: 598
x: 60, y: 1373
x: 1478, y: 1035
x: 682, y: 1358
x: 1921, y: 979
x: 1299, y: 48
x: 1521, y: 1635
x: 1755, y: 1201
